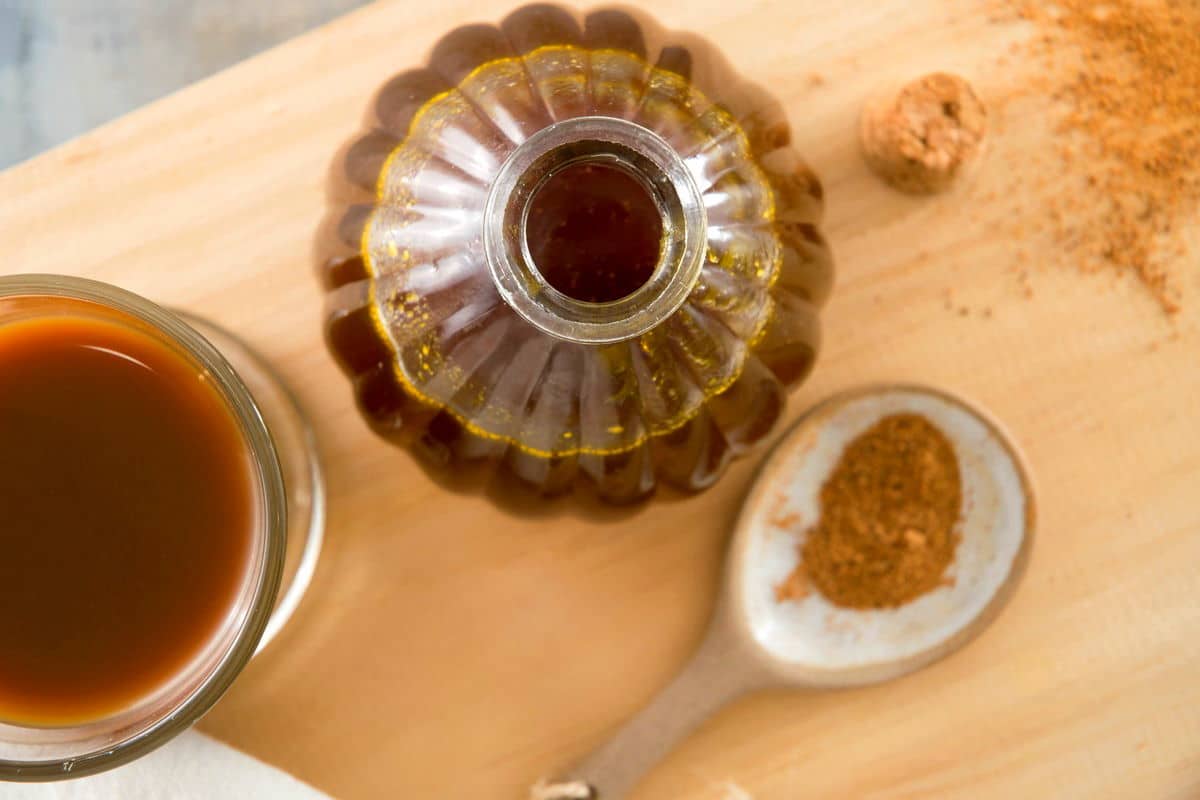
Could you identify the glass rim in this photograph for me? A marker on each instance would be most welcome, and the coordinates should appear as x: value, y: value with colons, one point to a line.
x: 663, y: 173
x: 264, y: 585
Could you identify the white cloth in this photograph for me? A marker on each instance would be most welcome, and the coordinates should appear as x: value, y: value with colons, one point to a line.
x: 190, y: 767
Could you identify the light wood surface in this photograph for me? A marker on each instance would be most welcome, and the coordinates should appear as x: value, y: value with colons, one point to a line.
x: 448, y: 649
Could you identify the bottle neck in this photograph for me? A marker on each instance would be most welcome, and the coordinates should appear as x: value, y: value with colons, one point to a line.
x: 661, y: 172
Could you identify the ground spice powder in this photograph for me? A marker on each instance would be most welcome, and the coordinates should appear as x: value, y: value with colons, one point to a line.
x: 889, y: 518
x: 1124, y: 76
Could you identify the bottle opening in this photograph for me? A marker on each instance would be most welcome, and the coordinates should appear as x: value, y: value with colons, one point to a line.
x: 594, y: 231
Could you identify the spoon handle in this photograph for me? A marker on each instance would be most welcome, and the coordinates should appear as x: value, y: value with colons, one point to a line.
x: 720, y: 671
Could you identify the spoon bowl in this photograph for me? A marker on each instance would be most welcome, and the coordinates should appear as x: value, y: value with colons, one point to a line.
x: 812, y: 642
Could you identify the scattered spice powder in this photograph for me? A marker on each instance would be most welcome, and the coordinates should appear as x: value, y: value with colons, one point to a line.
x: 1125, y: 78
x: 889, y: 519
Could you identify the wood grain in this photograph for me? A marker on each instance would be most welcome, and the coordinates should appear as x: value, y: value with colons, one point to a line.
x: 452, y: 650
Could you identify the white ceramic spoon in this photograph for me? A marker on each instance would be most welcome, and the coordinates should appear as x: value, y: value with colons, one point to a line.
x: 756, y: 642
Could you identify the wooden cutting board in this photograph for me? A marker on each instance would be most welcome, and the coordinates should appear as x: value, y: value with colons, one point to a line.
x: 449, y: 649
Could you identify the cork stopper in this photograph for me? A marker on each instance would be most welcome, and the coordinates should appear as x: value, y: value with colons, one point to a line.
x: 921, y: 138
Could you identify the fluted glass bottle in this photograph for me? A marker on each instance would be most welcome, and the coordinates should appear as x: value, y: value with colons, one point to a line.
x: 575, y: 252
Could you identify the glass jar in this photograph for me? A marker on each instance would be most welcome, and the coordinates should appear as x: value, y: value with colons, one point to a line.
x: 491, y: 291
x: 41, y: 753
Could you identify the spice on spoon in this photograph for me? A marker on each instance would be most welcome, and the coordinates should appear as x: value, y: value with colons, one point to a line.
x: 889, y: 519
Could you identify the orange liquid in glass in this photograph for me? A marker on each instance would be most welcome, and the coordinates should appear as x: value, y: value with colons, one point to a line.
x: 126, y: 517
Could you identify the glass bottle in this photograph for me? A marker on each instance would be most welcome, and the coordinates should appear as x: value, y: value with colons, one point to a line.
x: 577, y: 252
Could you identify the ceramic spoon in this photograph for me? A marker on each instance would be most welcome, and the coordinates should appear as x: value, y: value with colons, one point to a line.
x: 756, y: 642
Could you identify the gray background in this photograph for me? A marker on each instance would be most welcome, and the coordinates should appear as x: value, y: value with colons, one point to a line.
x: 67, y: 66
